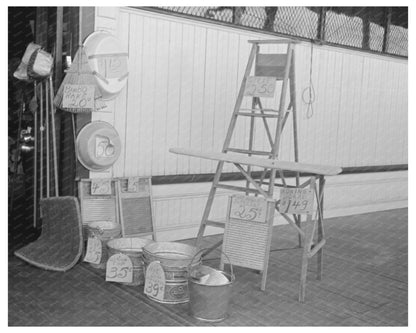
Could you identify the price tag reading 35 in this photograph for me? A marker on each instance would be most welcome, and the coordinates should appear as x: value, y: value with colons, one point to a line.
x: 155, y: 281
x: 248, y: 208
x: 260, y: 86
x: 119, y: 268
x: 94, y: 250
x: 296, y: 201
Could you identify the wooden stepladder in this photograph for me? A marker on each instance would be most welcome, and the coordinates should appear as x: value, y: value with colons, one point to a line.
x: 268, y: 68
x: 296, y: 200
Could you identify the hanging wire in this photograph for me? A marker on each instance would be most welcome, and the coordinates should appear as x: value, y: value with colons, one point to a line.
x: 308, y: 94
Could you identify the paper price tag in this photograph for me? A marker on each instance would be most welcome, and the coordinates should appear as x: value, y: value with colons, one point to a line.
x: 155, y: 281
x: 78, y: 96
x: 248, y: 208
x: 296, y: 201
x: 260, y: 86
x: 94, y: 250
x: 132, y: 184
x: 100, y: 186
x: 119, y: 268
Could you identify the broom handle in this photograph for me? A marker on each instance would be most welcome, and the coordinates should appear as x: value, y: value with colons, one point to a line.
x: 42, y: 128
x: 35, y: 160
x: 55, y: 158
x: 47, y: 141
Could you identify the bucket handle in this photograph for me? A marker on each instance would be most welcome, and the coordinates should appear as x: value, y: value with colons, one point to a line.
x: 202, y: 255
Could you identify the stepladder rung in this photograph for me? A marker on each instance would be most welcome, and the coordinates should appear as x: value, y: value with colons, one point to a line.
x: 248, y: 151
x: 259, y: 115
x: 212, y: 223
x: 237, y: 188
x: 264, y: 110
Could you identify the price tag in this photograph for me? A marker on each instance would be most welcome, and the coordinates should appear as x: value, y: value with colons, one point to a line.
x: 112, y: 67
x: 78, y: 96
x: 248, y: 208
x: 100, y: 186
x: 155, y: 281
x: 260, y: 86
x: 296, y: 201
x: 94, y: 249
x: 132, y: 184
x: 119, y: 268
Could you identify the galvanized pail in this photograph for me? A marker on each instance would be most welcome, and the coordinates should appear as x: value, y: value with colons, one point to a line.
x: 209, y: 302
x: 104, y: 231
x: 175, y: 259
x: 133, y: 248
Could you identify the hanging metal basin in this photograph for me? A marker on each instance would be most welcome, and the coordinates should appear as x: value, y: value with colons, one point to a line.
x: 98, y: 146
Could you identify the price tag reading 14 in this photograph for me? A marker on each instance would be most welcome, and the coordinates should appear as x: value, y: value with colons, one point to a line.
x: 155, y: 281
x: 296, y: 201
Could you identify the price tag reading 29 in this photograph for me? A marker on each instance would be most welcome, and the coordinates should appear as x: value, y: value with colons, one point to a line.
x: 119, y: 268
x: 260, y: 86
x: 248, y: 208
x: 296, y: 201
x: 155, y: 281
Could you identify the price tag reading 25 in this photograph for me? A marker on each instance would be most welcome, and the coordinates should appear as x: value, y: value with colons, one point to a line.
x: 260, y: 86
x: 248, y: 208
x: 155, y: 281
x: 296, y: 201
x: 119, y: 268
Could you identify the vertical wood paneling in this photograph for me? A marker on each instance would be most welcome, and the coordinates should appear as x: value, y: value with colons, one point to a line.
x: 160, y: 93
x: 185, y: 113
x: 198, y: 94
x: 174, y: 90
x: 184, y: 77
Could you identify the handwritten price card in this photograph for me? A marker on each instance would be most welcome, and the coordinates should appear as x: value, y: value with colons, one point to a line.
x: 100, y: 186
x: 260, y: 86
x: 132, y: 184
x: 94, y: 249
x: 119, y: 268
x: 248, y: 208
x: 155, y: 281
x: 296, y: 201
x: 78, y: 96
x: 112, y: 67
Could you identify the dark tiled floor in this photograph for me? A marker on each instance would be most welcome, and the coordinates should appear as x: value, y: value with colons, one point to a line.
x: 365, y: 283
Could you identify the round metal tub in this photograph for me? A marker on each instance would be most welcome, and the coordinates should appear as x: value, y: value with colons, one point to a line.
x: 175, y: 259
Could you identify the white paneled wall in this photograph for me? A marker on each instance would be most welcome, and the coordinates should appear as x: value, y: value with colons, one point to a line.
x: 184, y: 77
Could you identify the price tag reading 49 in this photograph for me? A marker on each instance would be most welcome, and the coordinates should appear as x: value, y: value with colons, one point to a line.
x: 155, y: 281
x: 296, y: 201
x: 119, y: 268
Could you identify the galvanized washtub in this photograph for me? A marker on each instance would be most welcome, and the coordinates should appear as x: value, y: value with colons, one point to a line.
x: 175, y: 259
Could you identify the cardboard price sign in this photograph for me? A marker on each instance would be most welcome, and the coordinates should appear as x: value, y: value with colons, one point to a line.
x: 296, y: 201
x: 101, y: 187
x: 132, y: 184
x: 248, y: 209
x: 94, y: 251
x: 155, y: 281
x: 78, y: 96
x: 119, y: 268
x: 112, y: 67
x: 260, y: 86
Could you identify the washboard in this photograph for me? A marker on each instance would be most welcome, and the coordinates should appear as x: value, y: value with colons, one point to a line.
x: 136, y: 211
x: 98, y: 200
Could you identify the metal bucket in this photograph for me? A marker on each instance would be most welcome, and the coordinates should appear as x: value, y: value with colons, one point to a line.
x: 210, y: 302
x: 133, y: 248
x: 175, y: 259
x: 104, y: 231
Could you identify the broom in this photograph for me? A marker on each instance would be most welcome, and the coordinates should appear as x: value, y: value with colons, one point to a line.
x: 79, y: 74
